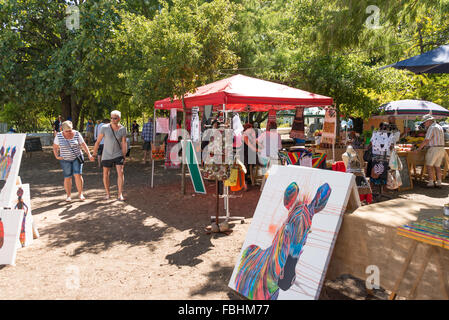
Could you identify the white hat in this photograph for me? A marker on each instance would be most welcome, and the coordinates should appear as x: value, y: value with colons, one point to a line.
x: 427, y: 117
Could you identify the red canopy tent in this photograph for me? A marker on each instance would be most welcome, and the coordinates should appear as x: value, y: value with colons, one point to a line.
x: 242, y: 93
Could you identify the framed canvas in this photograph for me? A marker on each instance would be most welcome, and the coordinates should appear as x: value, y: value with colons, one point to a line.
x: 290, y: 240
x: 11, y: 150
x: 10, y: 223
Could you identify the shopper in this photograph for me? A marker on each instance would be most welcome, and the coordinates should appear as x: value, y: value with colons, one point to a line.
x: 114, y: 151
x: 147, y: 136
x: 67, y: 149
x: 435, y: 154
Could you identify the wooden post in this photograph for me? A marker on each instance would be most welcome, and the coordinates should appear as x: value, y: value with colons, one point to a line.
x: 217, y: 205
x: 152, y: 144
x: 183, y: 166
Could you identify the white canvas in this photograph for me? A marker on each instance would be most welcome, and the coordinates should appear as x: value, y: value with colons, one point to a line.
x: 262, y: 269
x: 26, y: 227
x: 10, y: 224
x: 11, y: 150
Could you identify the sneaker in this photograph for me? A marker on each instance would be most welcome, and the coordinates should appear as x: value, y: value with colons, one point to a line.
x: 107, y: 197
x: 82, y: 198
x: 438, y: 184
x: 430, y: 184
x: 68, y: 199
x: 121, y: 198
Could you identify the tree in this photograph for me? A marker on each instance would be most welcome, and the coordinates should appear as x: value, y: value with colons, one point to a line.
x: 46, y: 62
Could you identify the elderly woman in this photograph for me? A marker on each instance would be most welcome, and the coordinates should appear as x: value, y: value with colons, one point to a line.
x: 66, y: 148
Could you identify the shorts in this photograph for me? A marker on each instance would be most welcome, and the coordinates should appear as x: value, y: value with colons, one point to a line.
x: 119, y: 161
x: 435, y: 156
x: 69, y: 168
x: 100, y: 149
x: 146, y: 146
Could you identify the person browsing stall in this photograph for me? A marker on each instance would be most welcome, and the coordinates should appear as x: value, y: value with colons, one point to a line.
x: 114, y: 151
x: 67, y: 149
x: 147, y: 136
x: 435, y: 154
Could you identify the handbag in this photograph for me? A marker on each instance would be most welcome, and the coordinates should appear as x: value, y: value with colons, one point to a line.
x: 79, y: 157
x: 368, y: 155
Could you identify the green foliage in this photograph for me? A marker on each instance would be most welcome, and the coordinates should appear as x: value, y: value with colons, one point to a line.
x: 128, y: 54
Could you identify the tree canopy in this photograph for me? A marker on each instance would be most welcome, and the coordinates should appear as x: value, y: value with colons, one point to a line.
x: 83, y: 59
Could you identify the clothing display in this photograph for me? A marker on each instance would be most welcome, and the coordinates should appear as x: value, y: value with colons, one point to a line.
x: 162, y: 126
x: 173, y: 136
x: 172, y: 161
x: 297, y: 131
x: 382, y: 140
x: 294, y: 158
x: 218, y: 164
x: 195, y: 132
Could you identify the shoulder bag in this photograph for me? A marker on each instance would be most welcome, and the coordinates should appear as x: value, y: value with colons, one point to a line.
x: 80, y: 157
x: 119, y: 144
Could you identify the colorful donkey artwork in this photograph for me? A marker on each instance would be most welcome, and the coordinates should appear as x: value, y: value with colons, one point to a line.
x: 6, y: 160
x: 262, y: 272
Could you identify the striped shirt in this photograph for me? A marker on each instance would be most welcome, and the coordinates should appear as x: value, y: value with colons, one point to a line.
x: 66, y: 151
x: 147, y: 131
x: 435, y: 135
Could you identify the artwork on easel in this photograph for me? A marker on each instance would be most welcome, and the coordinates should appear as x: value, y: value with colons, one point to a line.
x: 11, y: 150
x: 10, y: 224
x: 290, y: 241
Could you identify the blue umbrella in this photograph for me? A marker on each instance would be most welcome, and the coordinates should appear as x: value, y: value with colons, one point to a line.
x: 434, y: 61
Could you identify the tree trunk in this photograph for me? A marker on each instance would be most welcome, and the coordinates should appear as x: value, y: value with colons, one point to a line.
x: 82, y: 119
x: 260, y: 117
x: 337, y: 123
x: 76, y: 108
x: 66, y: 106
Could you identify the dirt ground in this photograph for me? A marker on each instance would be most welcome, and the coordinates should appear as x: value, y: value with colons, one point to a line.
x: 153, y: 246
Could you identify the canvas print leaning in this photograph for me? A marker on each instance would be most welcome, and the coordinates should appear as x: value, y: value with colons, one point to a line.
x: 290, y: 240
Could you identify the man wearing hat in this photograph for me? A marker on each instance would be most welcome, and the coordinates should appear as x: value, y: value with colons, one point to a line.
x: 436, y: 153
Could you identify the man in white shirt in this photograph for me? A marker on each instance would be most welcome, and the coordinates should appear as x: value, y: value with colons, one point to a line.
x: 435, y: 154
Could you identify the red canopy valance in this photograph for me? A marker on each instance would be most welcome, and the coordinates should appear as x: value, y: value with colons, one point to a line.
x: 242, y: 93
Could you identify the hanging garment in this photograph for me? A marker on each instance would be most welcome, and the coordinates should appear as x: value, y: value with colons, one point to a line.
x: 173, y: 136
x: 240, y: 181
x: 297, y: 131
x: 195, y: 132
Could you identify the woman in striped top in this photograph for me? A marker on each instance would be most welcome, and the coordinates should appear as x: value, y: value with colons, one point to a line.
x: 66, y: 148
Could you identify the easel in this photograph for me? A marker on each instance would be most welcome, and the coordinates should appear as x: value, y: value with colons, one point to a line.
x: 430, y: 251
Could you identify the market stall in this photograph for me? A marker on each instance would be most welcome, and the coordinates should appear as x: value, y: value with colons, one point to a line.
x: 240, y: 93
